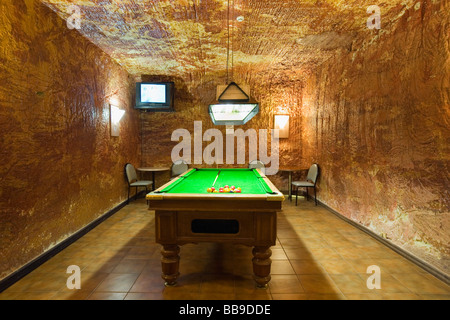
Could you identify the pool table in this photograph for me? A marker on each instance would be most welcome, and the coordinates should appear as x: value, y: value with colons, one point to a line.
x: 185, y: 212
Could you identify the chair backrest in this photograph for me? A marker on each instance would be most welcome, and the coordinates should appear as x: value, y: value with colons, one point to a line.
x: 313, y: 172
x: 130, y: 173
x: 178, y: 167
x: 257, y: 164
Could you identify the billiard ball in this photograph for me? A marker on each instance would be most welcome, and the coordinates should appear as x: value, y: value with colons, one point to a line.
x: 212, y: 188
x: 232, y: 187
x: 221, y: 190
x: 209, y: 190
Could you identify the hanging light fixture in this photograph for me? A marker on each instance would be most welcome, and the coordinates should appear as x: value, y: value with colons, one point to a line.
x: 233, y: 106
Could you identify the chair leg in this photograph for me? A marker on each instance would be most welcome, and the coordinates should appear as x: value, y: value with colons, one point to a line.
x: 128, y: 198
x: 296, y: 195
x: 315, y: 197
x: 306, y: 196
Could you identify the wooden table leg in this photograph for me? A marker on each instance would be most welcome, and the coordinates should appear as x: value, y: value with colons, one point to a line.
x: 170, y: 262
x: 261, y: 265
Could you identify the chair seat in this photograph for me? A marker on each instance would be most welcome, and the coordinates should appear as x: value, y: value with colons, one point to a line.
x: 142, y: 183
x: 303, y: 184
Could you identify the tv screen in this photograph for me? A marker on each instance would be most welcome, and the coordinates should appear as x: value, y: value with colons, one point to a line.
x: 155, y: 96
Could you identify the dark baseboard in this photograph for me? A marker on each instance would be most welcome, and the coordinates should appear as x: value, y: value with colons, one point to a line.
x: 420, y: 263
x: 32, y: 265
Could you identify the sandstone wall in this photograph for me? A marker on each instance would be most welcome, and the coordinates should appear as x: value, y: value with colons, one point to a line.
x: 375, y: 117
x: 60, y: 168
x: 192, y: 99
x: 377, y: 120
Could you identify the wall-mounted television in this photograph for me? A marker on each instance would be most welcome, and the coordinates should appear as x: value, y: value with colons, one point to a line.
x: 155, y: 96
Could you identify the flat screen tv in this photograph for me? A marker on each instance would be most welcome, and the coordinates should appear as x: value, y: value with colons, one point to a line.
x: 155, y: 96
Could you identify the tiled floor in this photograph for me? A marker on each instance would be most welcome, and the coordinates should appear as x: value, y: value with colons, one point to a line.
x: 317, y: 256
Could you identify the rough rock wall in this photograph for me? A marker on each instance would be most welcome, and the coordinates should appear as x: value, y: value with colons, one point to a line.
x: 60, y: 167
x: 192, y: 99
x: 377, y: 120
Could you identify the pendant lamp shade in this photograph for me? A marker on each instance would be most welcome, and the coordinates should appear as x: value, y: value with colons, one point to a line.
x: 233, y: 107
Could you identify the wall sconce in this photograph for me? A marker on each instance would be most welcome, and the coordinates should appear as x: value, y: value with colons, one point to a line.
x: 281, y: 125
x: 115, y: 115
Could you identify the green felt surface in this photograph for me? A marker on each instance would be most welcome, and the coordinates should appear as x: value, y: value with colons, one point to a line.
x: 199, y: 180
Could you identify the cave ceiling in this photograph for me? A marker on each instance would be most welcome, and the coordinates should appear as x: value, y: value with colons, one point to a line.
x: 191, y: 38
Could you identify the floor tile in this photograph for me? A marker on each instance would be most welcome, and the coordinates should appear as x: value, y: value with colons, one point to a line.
x: 285, y: 284
x: 144, y: 296
x: 281, y: 267
x: 337, y: 266
x: 421, y: 284
x: 129, y: 266
x: 117, y: 282
x: 307, y: 266
x: 290, y: 296
x: 217, y: 283
x: 318, y: 283
x: 107, y: 296
x: 147, y: 282
x: 350, y: 283
x: 317, y: 256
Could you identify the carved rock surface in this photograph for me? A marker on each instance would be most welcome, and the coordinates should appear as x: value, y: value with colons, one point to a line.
x: 370, y: 106
x: 60, y: 167
x: 377, y: 120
